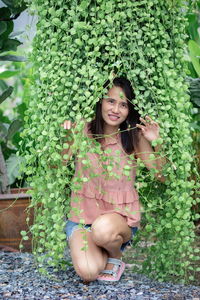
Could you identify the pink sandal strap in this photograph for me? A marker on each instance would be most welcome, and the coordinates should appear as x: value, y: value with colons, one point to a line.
x: 116, y: 272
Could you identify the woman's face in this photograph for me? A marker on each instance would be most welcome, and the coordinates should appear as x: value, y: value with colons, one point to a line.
x: 115, y: 107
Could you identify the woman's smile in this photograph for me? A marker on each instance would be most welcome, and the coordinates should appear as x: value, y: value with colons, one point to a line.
x: 113, y: 117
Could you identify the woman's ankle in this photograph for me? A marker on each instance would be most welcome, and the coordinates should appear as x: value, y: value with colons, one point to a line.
x: 115, y: 254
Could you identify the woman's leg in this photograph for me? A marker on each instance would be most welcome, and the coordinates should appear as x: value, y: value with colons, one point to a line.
x: 87, y: 263
x: 110, y: 231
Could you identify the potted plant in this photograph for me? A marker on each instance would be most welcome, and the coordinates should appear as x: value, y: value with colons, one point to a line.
x: 13, y: 201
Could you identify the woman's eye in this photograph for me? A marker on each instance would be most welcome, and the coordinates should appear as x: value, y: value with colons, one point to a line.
x: 110, y: 100
x: 124, y: 105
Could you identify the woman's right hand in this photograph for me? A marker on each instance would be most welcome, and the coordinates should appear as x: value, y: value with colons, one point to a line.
x: 67, y: 124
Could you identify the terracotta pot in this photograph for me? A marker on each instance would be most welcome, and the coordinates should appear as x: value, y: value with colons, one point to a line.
x: 13, y: 218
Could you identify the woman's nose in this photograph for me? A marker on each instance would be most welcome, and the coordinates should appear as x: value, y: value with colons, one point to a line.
x: 116, y: 108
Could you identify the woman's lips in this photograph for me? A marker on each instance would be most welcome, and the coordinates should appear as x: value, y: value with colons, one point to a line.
x: 113, y: 117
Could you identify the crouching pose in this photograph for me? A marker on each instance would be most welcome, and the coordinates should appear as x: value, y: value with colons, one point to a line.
x: 108, y: 202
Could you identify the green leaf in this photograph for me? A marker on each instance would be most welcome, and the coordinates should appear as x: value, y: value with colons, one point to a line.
x: 6, y: 94
x: 85, y: 179
x: 4, y: 119
x: 14, y: 127
x: 15, y: 6
x: 13, y: 164
x: 3, y: 85
x: 56, y: 22
x: 3, y: 27
x: 194, y: 50
x: 127, y: 167
x: 149, y: 228
x: 10, y: 44
x: 194, y: 89
x: 65, y: 156
x: 109, y: 168
x: 80, y: 25
x: 8, y: 74
x: 152, y: 156
x: 193, y: 26
x: 84, y: 4
x: 3, y: 131
x: 7, y: 32
x: 126, y: 173
x: 12, y: 58
x: 23, y: 232
x: 4, y: 13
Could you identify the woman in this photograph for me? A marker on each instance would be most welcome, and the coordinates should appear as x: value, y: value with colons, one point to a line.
x: 107, y: 203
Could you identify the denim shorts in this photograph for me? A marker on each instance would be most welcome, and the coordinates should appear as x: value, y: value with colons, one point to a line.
x: 72, y: 226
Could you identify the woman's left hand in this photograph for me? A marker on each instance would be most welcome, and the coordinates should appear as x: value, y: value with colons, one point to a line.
x: 149, y: 129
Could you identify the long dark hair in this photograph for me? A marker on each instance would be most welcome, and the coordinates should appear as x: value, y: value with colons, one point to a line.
x: 129, y: 137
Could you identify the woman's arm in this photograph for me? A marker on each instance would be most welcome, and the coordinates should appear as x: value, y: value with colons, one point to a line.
x: 150, y: 132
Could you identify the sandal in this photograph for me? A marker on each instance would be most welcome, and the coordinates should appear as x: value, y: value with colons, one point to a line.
x: 116, y: 272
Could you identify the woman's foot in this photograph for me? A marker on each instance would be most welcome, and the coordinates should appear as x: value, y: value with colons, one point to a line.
x: 113, y: 270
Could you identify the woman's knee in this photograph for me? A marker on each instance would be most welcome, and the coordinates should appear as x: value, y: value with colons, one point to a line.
x: 103, y: 230
x: 87, y: 272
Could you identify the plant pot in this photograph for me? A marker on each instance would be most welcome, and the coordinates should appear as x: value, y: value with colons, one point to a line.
x: 13, y: 217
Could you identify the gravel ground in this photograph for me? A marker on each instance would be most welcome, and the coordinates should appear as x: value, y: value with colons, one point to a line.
x: 19, y: 279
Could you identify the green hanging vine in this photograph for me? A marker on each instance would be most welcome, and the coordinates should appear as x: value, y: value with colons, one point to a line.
x: 78, y: 46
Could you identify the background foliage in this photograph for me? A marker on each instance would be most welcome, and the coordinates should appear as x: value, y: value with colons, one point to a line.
x: 78, y: 46
x: 11, y: 65
x: 193, y: 58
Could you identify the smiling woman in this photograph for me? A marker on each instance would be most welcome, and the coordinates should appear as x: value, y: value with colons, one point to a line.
x: 107, y: 202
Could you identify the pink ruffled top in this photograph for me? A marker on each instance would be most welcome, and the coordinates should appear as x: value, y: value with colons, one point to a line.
x: 105, y: 184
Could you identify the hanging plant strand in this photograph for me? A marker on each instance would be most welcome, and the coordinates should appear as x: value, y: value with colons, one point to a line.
x: 78, y: 46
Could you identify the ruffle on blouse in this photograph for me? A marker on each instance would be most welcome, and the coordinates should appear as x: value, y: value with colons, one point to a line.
x: 112, y: 197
